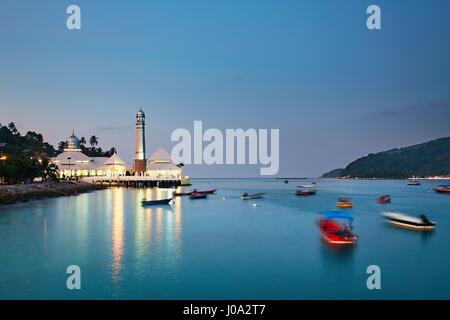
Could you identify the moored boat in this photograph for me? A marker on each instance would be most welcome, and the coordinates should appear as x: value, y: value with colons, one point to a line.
x: 195, y: 191
x: 413, y: 183
x: 384, y: 199
x: 156, y: 202
x: 181, y: 194
x: 196, y: 196
x: 443, y: 189
x: 336, y: 227
x: 409, y: 222
x: 306, y: 190
x: 247, y: 196
x: 344, y: 203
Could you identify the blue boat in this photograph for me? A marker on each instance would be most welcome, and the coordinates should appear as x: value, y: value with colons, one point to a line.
x: 156, y: 202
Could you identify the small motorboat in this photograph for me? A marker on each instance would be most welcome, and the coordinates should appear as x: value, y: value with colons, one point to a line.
x: 413, y: 183
x: 195, y: 191
x: 344, y: 203
x: 286, y: 181
x: 181, y: 194
x: 409, y: 222
x: 196, y: 196
x: 248, y: 196
x: 443, y: 189
x: 384, y: 199
x: 156, y: 202
x: 336, y: 227
x: 306, y: 190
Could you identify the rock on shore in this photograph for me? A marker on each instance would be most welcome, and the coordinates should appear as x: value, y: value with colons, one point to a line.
x: 10, y: 194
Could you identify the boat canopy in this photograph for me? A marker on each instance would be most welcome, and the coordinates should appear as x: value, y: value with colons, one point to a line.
x: 337, y: 215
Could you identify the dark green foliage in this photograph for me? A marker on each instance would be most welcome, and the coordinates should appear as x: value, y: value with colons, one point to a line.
x: 336, y: 173
x: 31, y: 142
x: 423, y: 160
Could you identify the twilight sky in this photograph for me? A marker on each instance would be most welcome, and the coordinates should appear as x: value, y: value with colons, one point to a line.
x: 335, y: 89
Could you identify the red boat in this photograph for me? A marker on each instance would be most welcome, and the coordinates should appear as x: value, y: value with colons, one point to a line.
x: 334, y: 232
x: 204, y: 192
x: 443, y: 189
x: 384, y: 199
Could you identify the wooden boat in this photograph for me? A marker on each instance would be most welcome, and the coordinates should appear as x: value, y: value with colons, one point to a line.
x: 336, y: 227
x: 156, y: 202
x: 413, y: 183
x: 408, y: 222
x: 195, y: 191
x: 306, y: 190
x: 181, y: 194
x: 443, y: 189
x: 196, y: 196
x: 384, y: 199
x: 247, y: 196
x: 344, y: 203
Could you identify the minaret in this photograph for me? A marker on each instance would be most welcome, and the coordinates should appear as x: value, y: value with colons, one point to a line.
x: 140, y: 161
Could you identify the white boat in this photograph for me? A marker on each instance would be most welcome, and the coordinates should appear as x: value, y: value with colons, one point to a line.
x: 409, y: 222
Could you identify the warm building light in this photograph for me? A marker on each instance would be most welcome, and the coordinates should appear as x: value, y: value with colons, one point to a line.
x: 4, y: 158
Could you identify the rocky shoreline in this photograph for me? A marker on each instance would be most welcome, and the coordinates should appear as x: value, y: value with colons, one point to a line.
x: 10, y: 194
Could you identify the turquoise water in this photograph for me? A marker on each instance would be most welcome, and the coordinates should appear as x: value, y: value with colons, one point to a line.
x: 223, y: 247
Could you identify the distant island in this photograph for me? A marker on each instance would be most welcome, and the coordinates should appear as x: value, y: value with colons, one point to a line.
x: 427, y: 159
x: 336, y: 173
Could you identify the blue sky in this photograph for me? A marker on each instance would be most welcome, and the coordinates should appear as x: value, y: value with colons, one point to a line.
x: 336, y: 90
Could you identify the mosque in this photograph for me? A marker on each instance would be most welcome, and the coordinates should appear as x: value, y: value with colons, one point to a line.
x: 72, y: 162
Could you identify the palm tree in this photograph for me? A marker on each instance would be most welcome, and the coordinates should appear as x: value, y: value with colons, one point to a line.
x: 82, y: 141
x: 93, y: 141
x: 12, y: 128
x: 61, y: 146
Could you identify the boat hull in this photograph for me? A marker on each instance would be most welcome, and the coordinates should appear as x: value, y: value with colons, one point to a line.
x: 305, y: 193
x: 204, y: 192
x: 253, y: 196
x: 146, y: 203
x: 442, y: 190
x: 344, y: 205
x: 198, y: 196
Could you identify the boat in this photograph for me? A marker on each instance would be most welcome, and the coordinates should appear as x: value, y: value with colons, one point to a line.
x: 181, y: 194
x: 443, y: 189
x: 195, y: 191
x: 306, y: 190
x: 344, y: 203
x: 248, y: 196
x: 196, y: 196
x: 156, y: 202
x: 384, y: 199
x: 336, y: 227
x: 409, y: 222
x: 413, y: 183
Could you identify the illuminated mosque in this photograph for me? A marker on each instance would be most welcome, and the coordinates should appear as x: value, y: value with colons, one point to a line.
x: 72, y: 162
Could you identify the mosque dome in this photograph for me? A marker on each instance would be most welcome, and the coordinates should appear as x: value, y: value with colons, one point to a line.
x: 73, y: 142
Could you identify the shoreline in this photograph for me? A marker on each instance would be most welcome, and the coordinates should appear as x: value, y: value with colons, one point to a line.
x: 11, y: 194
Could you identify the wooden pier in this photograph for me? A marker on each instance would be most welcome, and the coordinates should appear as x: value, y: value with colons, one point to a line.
x: 133, y: 182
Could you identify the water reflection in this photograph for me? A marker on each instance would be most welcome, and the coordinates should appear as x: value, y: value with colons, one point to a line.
x: 117, y: 234
x: 158, y: 232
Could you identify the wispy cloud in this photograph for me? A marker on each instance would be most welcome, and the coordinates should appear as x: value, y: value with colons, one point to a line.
x: 431, y: 109
x: 114, y: 127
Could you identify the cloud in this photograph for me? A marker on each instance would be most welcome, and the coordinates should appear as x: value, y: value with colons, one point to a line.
x: 430, y: 109
x: 114, y: 127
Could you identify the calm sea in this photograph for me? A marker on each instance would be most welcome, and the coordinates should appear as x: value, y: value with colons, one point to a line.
x: 224, y: 247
